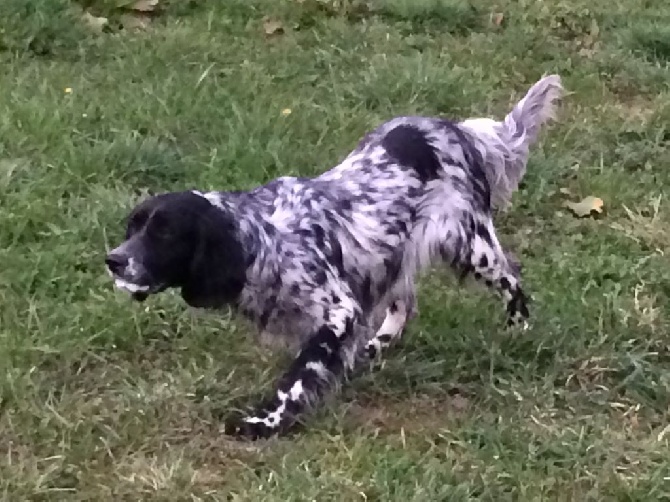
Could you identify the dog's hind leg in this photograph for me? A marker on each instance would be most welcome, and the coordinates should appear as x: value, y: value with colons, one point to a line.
x: 390, y: 318
x: 395, y: 320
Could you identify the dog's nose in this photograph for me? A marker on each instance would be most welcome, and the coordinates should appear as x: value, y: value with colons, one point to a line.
x: 116, y: 263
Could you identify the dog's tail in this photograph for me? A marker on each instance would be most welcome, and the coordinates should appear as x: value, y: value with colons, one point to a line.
x: 504, y: 145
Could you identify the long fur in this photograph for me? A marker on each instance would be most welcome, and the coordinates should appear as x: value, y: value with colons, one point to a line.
x: 504, y: 145
x: 331, y: 262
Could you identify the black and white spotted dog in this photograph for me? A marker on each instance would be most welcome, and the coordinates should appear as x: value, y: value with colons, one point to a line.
x: 331, y: 262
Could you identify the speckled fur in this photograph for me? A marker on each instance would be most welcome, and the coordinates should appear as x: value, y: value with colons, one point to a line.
x: 330, y: 263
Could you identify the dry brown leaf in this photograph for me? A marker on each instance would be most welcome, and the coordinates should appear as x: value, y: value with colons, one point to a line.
x: 498, y: 18
x: 272, y: 26
x: 587, y: 207
x: 93, y: 22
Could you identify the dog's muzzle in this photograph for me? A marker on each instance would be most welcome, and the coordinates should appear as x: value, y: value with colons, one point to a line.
x: 125, y: 273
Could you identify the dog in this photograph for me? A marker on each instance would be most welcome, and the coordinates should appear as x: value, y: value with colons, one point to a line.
x: 331, y: 262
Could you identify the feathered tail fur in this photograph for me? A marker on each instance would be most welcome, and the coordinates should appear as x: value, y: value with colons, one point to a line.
x: 504, y: 145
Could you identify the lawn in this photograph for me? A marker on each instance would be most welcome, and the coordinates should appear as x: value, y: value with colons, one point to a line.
x: 105, y: 399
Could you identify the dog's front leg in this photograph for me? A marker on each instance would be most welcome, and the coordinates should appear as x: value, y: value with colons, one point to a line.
x: 320, y: 364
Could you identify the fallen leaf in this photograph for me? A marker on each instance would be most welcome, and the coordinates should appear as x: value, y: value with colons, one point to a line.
x: 272, y: 26
x: 68, y: 90
x: 93, y: 22
x: 286, y: 112
x: 498, y: 18
x: 134, y: 21
x: 587, y: 207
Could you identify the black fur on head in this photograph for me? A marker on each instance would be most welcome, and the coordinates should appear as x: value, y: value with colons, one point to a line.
x: 180, y: 240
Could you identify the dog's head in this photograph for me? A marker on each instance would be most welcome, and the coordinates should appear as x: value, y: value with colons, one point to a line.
x: 179, y: 240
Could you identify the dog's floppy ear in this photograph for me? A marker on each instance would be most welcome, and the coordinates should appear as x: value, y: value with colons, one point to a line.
x: 218, y: 270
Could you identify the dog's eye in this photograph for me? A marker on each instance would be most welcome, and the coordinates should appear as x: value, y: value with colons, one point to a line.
x: 160, y: 227
x: 135, y: 223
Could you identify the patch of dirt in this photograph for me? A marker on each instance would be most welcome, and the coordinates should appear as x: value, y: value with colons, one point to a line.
x: 634, y: 108
x: 418, y: 413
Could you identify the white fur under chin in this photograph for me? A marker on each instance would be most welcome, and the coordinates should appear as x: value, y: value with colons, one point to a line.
x: 129, y: 286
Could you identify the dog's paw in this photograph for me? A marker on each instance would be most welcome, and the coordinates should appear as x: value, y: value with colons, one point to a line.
x: 518, y: 325
x: 521, y: 326
x: 517, y: 310
x: 247, y: 427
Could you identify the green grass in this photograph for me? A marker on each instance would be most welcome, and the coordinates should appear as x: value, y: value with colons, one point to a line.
x: 103, y: 399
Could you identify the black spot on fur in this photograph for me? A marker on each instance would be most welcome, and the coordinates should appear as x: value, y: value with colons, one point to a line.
x: 326, y: 336
x: 365, y: 294
x: 320, y: 278
x: 319, y: 235
x: 385, y: 338
x: 265, y: 316
x: 334, y: 254
x: 324, y: 347
x: 348, y: 329
x: 344, y: 205
x: 483, y: 261
x: 475, y: 164
x: 483, y: 232
x: 409, y: 147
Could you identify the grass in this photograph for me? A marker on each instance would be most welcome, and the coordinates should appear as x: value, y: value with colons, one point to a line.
x: 102, y: 399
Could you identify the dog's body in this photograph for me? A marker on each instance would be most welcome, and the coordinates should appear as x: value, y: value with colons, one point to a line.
x: 331, y: 262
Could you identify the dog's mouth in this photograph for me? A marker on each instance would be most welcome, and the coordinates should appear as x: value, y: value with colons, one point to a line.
x: 138, y: 292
